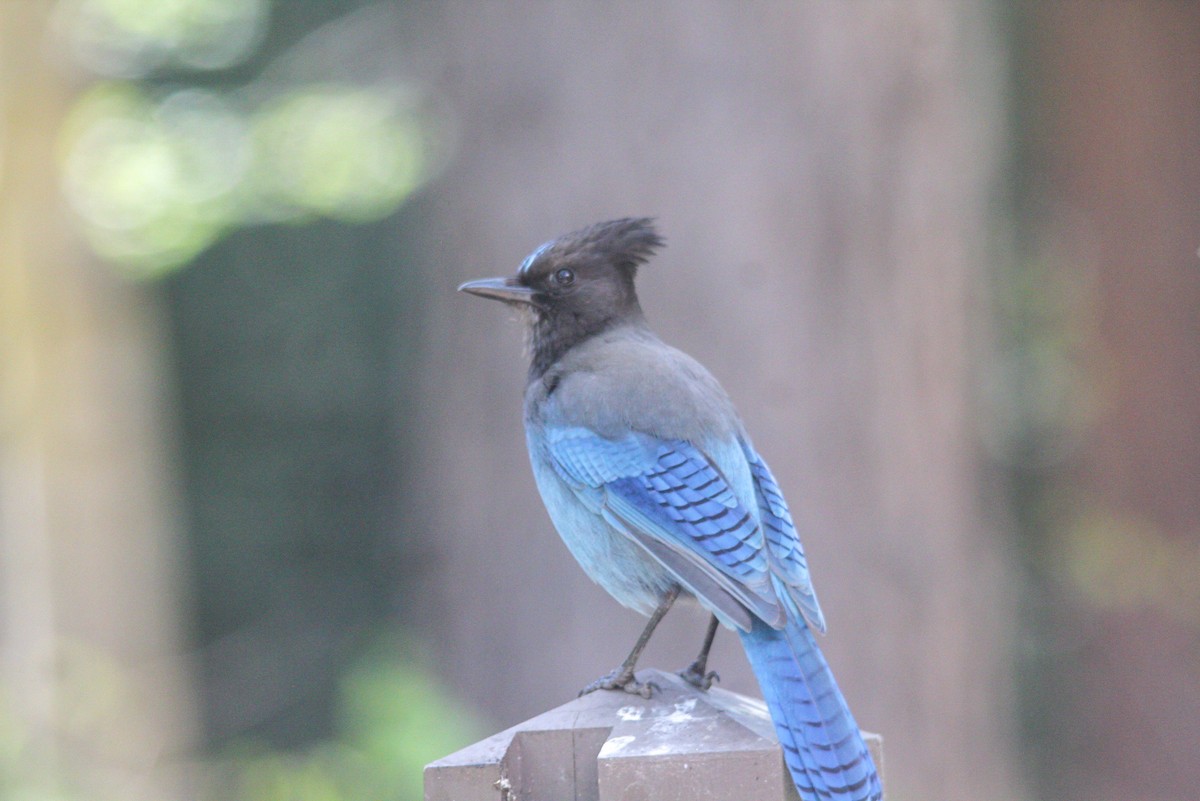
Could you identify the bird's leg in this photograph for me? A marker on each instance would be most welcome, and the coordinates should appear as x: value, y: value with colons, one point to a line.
x: 622, y: 677
x: 695, y: 673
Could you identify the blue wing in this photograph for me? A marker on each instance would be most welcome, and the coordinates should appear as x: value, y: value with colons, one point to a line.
x: 783, y: 543
x: 675, y: 502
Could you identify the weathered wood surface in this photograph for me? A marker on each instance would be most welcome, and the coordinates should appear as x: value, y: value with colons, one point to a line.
x: 680, y: 745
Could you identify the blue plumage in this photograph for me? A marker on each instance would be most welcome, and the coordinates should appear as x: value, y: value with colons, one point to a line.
x: 649, y: 477
x: 669, y: 494
x: 820, y: 740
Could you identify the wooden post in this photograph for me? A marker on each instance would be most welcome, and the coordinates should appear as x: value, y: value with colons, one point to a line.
x: 680, y: 745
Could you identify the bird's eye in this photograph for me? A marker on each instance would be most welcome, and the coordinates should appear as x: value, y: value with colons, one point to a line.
x: 564, y: 277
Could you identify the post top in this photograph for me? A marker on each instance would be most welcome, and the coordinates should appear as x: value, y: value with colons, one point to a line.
x: 682, y: 743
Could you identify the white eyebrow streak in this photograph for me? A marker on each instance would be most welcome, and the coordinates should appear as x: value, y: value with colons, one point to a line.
x: 532, y: 257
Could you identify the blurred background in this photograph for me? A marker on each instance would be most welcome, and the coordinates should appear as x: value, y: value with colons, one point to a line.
x: 267, y: 530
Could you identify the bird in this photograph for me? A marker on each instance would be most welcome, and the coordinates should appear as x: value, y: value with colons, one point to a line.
x: 649, y: 476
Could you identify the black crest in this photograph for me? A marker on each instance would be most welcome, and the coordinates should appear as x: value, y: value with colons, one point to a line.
x: 624, y: 243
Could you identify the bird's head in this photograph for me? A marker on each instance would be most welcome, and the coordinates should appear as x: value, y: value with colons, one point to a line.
x: 577, y: 285
x: 585, y: 273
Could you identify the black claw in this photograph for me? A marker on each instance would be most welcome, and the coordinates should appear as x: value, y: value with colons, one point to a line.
x: 694, y: 675
x: 621, y: 679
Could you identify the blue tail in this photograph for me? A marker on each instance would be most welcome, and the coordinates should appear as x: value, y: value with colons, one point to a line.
x: 821, y: 742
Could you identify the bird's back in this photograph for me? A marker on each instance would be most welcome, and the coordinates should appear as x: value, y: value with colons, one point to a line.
x: 621, y: 382
x: 628, y: 379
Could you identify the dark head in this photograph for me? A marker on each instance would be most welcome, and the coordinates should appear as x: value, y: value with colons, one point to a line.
x: 576, y: 286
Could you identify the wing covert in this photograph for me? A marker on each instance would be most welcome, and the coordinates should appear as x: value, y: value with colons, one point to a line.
x: 669, y: 497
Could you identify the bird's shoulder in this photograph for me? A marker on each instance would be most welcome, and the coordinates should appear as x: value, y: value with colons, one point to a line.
x: 631, y: 380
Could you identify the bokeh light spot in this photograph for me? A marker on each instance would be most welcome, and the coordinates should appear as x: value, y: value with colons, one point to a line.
x: 153, y: 182
x: 129, y: 38
x: 157, y: 181
x: 341, y: 152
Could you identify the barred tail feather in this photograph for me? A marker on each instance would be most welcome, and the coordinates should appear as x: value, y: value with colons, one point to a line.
x: 821, y: 743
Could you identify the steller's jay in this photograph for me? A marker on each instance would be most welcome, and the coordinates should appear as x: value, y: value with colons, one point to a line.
x: 651, y: 480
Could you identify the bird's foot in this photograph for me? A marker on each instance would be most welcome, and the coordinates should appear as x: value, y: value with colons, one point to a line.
x: 621, y: 678
x: 695, y: 675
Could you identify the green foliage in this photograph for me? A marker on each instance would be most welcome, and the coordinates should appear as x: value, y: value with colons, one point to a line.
x: 82, y: 749
x: 159, y: 170
x: 131, y: 37
x: 157, y: 177
x: 394, y: 718
x: 1116, y: 561
x: 337, y: 151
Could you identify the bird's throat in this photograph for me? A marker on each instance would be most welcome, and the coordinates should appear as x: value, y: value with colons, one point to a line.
x: 552, y: 335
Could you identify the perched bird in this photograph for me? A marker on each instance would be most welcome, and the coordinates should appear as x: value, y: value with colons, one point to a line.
x: 654, y: 486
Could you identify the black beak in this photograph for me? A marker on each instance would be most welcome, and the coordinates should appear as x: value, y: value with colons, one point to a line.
x: 505, y: 289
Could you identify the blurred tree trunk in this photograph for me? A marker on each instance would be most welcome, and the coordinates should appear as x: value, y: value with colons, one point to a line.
x: 1114, y: 142
x: 95, y: 690
x: 823, y: 173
